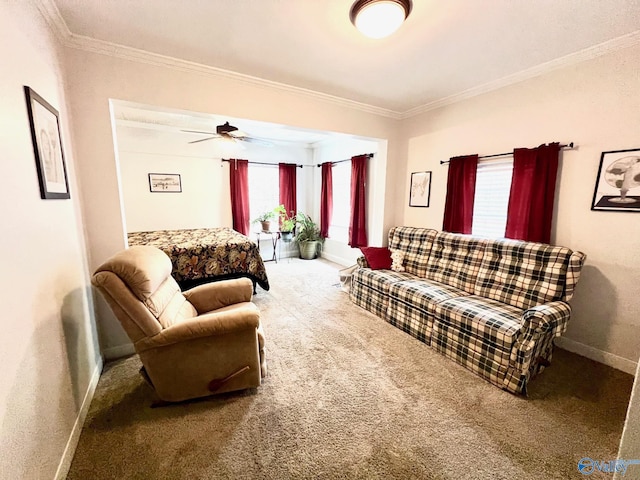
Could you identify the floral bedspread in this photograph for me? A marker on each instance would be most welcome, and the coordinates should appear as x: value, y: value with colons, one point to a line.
x: 204, y: 253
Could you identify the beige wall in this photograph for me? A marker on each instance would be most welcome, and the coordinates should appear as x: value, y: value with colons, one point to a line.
x: 596, y: 105
x: 96, y: 78
x: 48, y: 346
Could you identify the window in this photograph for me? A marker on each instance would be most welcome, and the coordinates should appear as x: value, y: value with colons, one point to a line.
x: 264, y: 189
x: 339, y: 228
x: 493, y: 185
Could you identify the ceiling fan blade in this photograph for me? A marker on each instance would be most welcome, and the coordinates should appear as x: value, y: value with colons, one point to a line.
x: 205, y: 139
x: 256, y: 141
x: 237, y: 134
x: 199, y: 131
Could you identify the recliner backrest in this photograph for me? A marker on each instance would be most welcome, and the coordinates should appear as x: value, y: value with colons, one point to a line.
x: 138, y: 285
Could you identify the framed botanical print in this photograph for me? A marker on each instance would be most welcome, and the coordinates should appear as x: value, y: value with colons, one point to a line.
x: 420, y: 189
x: 47, y: 147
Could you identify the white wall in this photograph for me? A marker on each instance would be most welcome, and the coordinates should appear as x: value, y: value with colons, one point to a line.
x: 95, y: 78
x: 330, y: 151
x: 596, y: 105
x: 48, y: 346
x: 205, y: 198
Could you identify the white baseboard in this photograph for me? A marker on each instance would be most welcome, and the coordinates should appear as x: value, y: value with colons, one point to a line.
x: 335, y: 259
x: 119, y: 351
x: 72, y: 443
x: 619, y: 363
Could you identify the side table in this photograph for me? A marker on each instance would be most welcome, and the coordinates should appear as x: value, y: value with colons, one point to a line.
x: 275, y: 236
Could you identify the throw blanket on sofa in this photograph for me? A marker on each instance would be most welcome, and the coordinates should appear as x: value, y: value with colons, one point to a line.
x: 206, y: 254
x: 494, y: 306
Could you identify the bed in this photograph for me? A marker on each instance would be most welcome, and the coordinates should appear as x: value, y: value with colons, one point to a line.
x: 206, y: 254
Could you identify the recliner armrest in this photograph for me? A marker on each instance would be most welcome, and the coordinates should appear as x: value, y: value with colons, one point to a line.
x: 215, y: 295
x: 242, y: 316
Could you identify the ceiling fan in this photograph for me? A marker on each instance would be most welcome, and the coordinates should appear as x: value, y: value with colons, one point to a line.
x: 229, y: 133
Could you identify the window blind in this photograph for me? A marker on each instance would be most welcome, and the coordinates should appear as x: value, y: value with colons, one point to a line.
x: 493, y: 184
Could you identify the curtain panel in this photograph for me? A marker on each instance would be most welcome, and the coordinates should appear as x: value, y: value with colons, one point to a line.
x: 239, y: 183
x: 533, y: 187
x: 461, y: 190
x: 358, y: 221
x: 326, y: 199
x: 288, y: 195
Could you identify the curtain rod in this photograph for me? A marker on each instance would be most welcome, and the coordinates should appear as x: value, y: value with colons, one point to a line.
x: 262, y: 163
x: 568, y: 146
x: 369, y: 155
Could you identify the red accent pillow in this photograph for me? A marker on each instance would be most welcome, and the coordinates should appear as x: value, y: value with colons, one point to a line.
x: 378, y: 258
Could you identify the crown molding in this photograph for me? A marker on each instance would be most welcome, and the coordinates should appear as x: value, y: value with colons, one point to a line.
x: 590, y: 53
x: 50, y: 12
x: 80, y: 42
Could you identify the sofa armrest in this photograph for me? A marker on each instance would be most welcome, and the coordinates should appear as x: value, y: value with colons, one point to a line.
x: 539, y: 325
x: 244, y: 316
x: 547, y: 318
x: 212, y: 296
x: 362, y: 262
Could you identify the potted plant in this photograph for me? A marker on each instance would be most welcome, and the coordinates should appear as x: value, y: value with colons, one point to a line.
x: 287, y: 223
x: 265, y: 220
x: 307, y: 236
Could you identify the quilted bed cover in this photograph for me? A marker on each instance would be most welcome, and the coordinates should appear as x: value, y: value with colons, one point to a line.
x: 207, y: 253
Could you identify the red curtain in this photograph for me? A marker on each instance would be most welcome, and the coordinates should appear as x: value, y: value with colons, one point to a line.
x: 358, y: 222
x: 326, y: 199
x: 288, y: 187
x: 533, y: 187
x: 461, y: 190
x: 239, y: 182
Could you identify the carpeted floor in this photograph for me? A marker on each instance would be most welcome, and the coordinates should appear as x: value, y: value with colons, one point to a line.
x: 350, y: 396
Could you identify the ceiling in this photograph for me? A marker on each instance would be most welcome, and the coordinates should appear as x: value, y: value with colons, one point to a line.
x: 445, y: 49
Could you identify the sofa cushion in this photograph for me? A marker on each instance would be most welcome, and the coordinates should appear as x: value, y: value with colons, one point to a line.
x: 412, y: 303
x: 370, y: 288
x: 455, y: 260
x: 477, y: 332
x: 415, y: 243
x: 522, y: 274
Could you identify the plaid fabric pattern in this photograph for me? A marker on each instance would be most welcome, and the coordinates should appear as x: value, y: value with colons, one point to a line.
x: 576, y: 261
x: 478, y: 334
x: 455, y: 260
x: 540, y: 325
x: 412, y: 304
x: 362, y: 262
x: 415, y: 243
x: 370, y: 288
x: 522, y: 274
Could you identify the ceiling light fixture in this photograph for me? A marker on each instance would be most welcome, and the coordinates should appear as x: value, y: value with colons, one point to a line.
x: 379, y: 18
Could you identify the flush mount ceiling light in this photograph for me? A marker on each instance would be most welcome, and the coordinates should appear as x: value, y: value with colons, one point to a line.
x: 379, y: 18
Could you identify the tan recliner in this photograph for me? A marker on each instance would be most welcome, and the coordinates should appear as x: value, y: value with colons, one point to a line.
x: 208, y: 340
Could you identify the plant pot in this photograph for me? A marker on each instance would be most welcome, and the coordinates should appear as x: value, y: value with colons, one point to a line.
x: 286, y: 236
x: 309, y: 250
x: 266, y: 226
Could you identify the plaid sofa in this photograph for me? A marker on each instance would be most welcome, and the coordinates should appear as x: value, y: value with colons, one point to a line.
x: 493, y: 306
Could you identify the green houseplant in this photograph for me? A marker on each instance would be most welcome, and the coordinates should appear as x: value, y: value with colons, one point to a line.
x: 265, y: 219
x: 308, y: 236
x: 287, y: 222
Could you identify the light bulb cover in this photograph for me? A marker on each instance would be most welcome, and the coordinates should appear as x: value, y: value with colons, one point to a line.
x: 379, y: 18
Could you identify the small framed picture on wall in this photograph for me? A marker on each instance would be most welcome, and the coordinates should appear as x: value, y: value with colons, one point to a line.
x: 618, y: 182
x: 420, y: 190
x: 165, y: 183
x: 47, y: 147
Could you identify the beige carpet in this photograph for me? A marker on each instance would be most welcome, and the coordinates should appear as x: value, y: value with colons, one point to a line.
x: 350, y: 396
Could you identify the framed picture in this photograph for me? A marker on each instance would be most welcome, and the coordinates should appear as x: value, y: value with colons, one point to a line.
x: 420, y: 189
x: 165, y: 183
x: 618, y: 182
x: 47, y: 147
